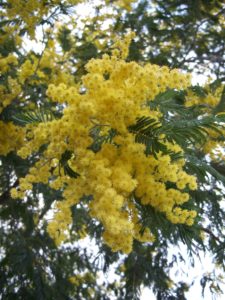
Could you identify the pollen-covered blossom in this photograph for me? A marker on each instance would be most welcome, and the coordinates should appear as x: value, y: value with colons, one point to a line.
x: 10, y: 88
x: 11, y: 137
x: 112, y: 95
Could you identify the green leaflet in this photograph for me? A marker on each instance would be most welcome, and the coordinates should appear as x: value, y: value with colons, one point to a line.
x: 32, y: 117
x: 185, y: 133
x: 99, y: 139
x: 202, y: 169
x: 63, y: 163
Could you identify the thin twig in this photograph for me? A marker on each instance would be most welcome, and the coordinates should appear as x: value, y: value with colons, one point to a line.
x: 211, y: 233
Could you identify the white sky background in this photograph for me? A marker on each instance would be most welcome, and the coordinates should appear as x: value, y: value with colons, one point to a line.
x: 192, y: 274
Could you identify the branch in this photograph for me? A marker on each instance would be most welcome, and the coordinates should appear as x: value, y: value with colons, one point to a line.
x: 211, y: 233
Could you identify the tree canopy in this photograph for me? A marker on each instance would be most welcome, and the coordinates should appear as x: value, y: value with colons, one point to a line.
x: 110, y: 156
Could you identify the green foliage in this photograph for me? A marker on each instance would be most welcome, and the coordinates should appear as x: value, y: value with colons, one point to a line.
x: 146, y: 131
x: 33, y: 117
x: 181, y: 34
x: 203, y: 169
x: 64, y: 39
x: 63, y: 163
x: 100, y: 138
x: 184, y: 132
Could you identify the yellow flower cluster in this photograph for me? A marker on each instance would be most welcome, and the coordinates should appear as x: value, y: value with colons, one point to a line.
x: 78, y: 279
x: 214, y: 147
x: 8, y: 92
x: 112, y: 95
x: 11, y: 137
x: 29, y: 68
x: 7, y: 62
x: 10, y: 89
x: 32, y: 12
x: 33, y: 70
x: 210, y: 100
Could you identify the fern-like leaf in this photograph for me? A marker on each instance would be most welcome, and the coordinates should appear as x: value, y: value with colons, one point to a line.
x: 203, y: 169
x: 99, y: 139
x: 32, y: 117
x: 185, y: 133
x: 63, y: 163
